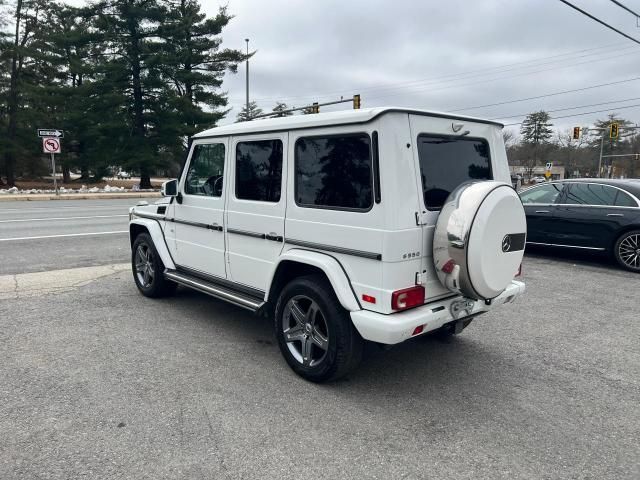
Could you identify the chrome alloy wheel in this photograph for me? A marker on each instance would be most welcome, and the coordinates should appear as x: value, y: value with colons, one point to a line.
x: 144, y: 265
x: 305, y: 330
x: 629, y: 251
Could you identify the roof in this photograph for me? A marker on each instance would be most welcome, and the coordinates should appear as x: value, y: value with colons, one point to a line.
x: 631, y: 185
x: 343, y: 117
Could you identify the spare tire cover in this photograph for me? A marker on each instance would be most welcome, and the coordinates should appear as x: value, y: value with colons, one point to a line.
x: 479, y: 239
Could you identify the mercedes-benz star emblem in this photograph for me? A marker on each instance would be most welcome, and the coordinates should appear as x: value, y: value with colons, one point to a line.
x: 506, y: 243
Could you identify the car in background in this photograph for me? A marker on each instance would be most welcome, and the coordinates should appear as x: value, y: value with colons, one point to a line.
x: 591, y: 214
x: 122, y: 175
x: 538, y: 180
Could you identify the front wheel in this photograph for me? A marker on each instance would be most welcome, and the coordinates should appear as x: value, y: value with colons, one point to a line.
x: 148, y: 269
x: 627, y: 251
x: 315, y: 334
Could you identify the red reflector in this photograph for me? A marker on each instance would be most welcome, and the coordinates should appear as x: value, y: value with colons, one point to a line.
x: 448, y: 267
x: 519, y: 272
x: 407, y: 297
x: 368, y: 298
x: 418, y: 330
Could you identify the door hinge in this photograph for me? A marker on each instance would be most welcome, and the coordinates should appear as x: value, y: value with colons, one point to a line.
x: 421, y: 218
x: 421, y: 278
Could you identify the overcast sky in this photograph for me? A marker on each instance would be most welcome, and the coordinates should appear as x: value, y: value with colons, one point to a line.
x: 438, y: 55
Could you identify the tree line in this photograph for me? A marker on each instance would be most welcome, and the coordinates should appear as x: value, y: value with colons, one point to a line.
x: 540, y: 143
x: 129, y: 81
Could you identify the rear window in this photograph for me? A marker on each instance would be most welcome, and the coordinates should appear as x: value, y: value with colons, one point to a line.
x: 590, y: 194
x: 447, y: 162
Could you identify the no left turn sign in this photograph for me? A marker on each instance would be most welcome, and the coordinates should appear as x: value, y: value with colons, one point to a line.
x: 50, y: 145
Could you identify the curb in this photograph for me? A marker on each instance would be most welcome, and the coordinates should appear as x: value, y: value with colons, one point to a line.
x: 13, y: 197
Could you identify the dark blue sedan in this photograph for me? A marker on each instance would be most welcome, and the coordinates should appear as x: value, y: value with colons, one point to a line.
x: 593, y: 214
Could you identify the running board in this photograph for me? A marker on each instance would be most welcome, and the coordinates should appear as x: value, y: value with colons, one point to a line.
x: 223, y: 293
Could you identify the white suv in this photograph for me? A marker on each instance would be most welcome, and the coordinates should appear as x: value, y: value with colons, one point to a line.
x: 378, y: 224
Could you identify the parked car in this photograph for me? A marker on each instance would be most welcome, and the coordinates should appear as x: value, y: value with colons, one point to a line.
x: 592, y: 214
x: 122, y: 175
x: 538, y: 180
x: 369, y: 225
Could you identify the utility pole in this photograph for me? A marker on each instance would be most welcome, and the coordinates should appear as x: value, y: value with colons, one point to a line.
x: 600, y: 161
x: 247, y: 40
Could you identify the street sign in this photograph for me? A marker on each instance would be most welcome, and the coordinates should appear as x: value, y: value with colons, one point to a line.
x: 54, y: 132
x: 549, y: 165
x: 51, y: 145
x: 547, y: 174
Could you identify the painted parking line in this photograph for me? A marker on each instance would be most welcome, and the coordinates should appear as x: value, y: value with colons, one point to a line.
x: 61, y: 218
x: 63, y: 235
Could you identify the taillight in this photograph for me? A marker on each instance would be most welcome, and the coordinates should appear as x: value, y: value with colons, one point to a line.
x: 407, y: 298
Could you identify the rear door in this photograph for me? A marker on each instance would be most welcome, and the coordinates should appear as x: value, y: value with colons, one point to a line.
x: 446, y: 159
x: 588, y: 216
x: 256, y: 207
x: 198, y: 217
x: 540, y: 208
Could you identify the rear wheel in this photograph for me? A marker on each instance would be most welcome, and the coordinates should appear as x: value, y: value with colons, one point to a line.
x: 627, y: 251
x: 148, y: 269
x: 315, y: 334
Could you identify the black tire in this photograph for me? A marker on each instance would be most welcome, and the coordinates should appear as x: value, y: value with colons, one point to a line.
x: 330, y: 326
x: 626, y: 251
x: 150, y: 281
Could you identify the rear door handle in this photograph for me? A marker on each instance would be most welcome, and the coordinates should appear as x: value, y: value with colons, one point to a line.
x: 543, y: 211
x: 273, y: 236
x: 615, y: 214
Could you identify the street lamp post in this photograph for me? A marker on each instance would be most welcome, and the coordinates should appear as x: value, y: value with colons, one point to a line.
x: 247, y: 40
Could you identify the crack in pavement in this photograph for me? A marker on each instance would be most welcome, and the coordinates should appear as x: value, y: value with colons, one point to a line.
x: 55, y: 281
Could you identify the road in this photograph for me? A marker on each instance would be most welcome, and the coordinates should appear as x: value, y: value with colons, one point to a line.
x: 49, y: 235
x: 99, y: 382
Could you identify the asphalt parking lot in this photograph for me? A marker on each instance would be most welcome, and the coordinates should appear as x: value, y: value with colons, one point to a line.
x: 99, y: 382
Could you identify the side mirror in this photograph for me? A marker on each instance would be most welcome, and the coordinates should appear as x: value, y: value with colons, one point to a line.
x: 169, y: 189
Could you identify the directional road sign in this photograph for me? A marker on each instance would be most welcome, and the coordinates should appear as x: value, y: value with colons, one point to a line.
x: 50, y: 145
x: 53, y: 132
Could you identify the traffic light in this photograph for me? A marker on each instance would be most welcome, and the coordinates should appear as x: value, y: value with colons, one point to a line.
x: 613, y: 130
x: 576, y: 133
x: 316, y: 107
x: 356, y: 102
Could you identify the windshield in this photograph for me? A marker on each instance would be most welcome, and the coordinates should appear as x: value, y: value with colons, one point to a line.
x: 447, y: 162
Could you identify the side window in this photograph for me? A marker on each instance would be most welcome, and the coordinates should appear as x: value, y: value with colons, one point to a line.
x: 624, y: 200
x: 542, y: 194
x: 448, y: 162
x: 206, y: 170
x: 590, y: 194
x: 259, y: 170
x: 334, y: 171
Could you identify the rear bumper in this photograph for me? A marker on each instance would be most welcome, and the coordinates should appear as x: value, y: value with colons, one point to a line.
x: 397, y: 327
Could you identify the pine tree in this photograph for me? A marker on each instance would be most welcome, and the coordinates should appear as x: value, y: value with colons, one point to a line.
x: 610, y: 146
x: 192, y: 67
x: 246, y: 115
x: 536, y: 131
x: 20, y: 53
x: 129, y: 31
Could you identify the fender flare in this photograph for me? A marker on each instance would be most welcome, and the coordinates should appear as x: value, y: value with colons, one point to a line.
x: 157, y: 235
x: 331, y: 268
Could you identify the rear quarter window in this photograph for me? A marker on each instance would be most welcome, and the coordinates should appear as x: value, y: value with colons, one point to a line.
x: 447, y: 162
x: 334, y: 172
